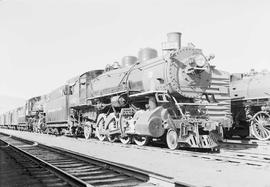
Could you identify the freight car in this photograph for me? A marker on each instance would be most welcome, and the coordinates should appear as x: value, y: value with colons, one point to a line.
x: 3, y: 120
x: 26, y: 117
x: 250, y: 95
x: 22, y: 122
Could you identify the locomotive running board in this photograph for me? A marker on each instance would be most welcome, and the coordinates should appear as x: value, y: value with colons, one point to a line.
x: 148, y: 92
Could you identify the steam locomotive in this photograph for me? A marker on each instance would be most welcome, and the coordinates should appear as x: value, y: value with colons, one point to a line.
x: 177, y: 98
x: 250, y: 93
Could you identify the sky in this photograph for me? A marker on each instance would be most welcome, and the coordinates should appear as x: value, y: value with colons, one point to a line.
x: 44, y: 43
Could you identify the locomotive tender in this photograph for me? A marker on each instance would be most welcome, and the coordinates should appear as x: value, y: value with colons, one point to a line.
x: 177, y: 98
x: 250, y: 95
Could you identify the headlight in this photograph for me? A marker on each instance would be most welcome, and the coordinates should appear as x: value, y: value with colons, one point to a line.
x: 200, y: 60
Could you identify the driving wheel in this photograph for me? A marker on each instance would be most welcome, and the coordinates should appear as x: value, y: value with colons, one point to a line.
x: 141, y: 140
x: 100, y: 128
x: 260, y: 126
x: 112, y: 126
x: 87, y: 130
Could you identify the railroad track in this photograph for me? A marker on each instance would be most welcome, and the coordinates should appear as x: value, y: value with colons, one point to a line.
x: 18, y: 170
x: 234, y: 157
x: 66, y: 168
x: 251, y: 143
x: 230, y: 157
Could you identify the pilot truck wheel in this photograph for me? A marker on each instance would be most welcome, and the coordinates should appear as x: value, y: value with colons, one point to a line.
x: 172, y: 139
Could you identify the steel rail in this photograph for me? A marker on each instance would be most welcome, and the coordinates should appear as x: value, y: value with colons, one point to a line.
x: 58, y: 172
x: 234, y: 157
x: 147, y: 177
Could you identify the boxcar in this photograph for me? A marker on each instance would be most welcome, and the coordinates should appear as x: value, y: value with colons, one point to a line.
x: 22, y: 125
x: 14, y: 119
x: 2, y: 119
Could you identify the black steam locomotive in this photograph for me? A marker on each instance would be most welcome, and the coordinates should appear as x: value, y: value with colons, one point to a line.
x: 250, y: 95
x: 177, y: 98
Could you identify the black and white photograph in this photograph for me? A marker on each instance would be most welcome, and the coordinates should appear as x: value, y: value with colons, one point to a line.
x: 146, y: 93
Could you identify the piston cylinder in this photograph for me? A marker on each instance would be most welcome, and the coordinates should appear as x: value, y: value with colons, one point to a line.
x: 149, y: 123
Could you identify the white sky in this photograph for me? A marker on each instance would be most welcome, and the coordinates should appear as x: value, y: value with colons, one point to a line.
x: 44, y: 43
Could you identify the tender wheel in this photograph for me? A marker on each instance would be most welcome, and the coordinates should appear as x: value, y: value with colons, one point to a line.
x: 125, y: 140
x: 141, y: 140
x: 111, y: 126
x: 260, y: 125
x: 172, y: 139
x: 100, y: 128
x: 49, y: 131
x: 55, y: 131
x: 87, y: 131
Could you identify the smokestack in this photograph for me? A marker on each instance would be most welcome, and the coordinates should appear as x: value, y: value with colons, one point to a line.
x: 173, y: 41
x: 174, y: 37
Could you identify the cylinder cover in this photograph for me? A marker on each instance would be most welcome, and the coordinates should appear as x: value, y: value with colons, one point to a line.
x: 149, y: 123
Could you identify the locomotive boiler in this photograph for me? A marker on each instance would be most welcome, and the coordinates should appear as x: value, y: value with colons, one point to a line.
x: 250, y: 95
x: 155, y: 98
